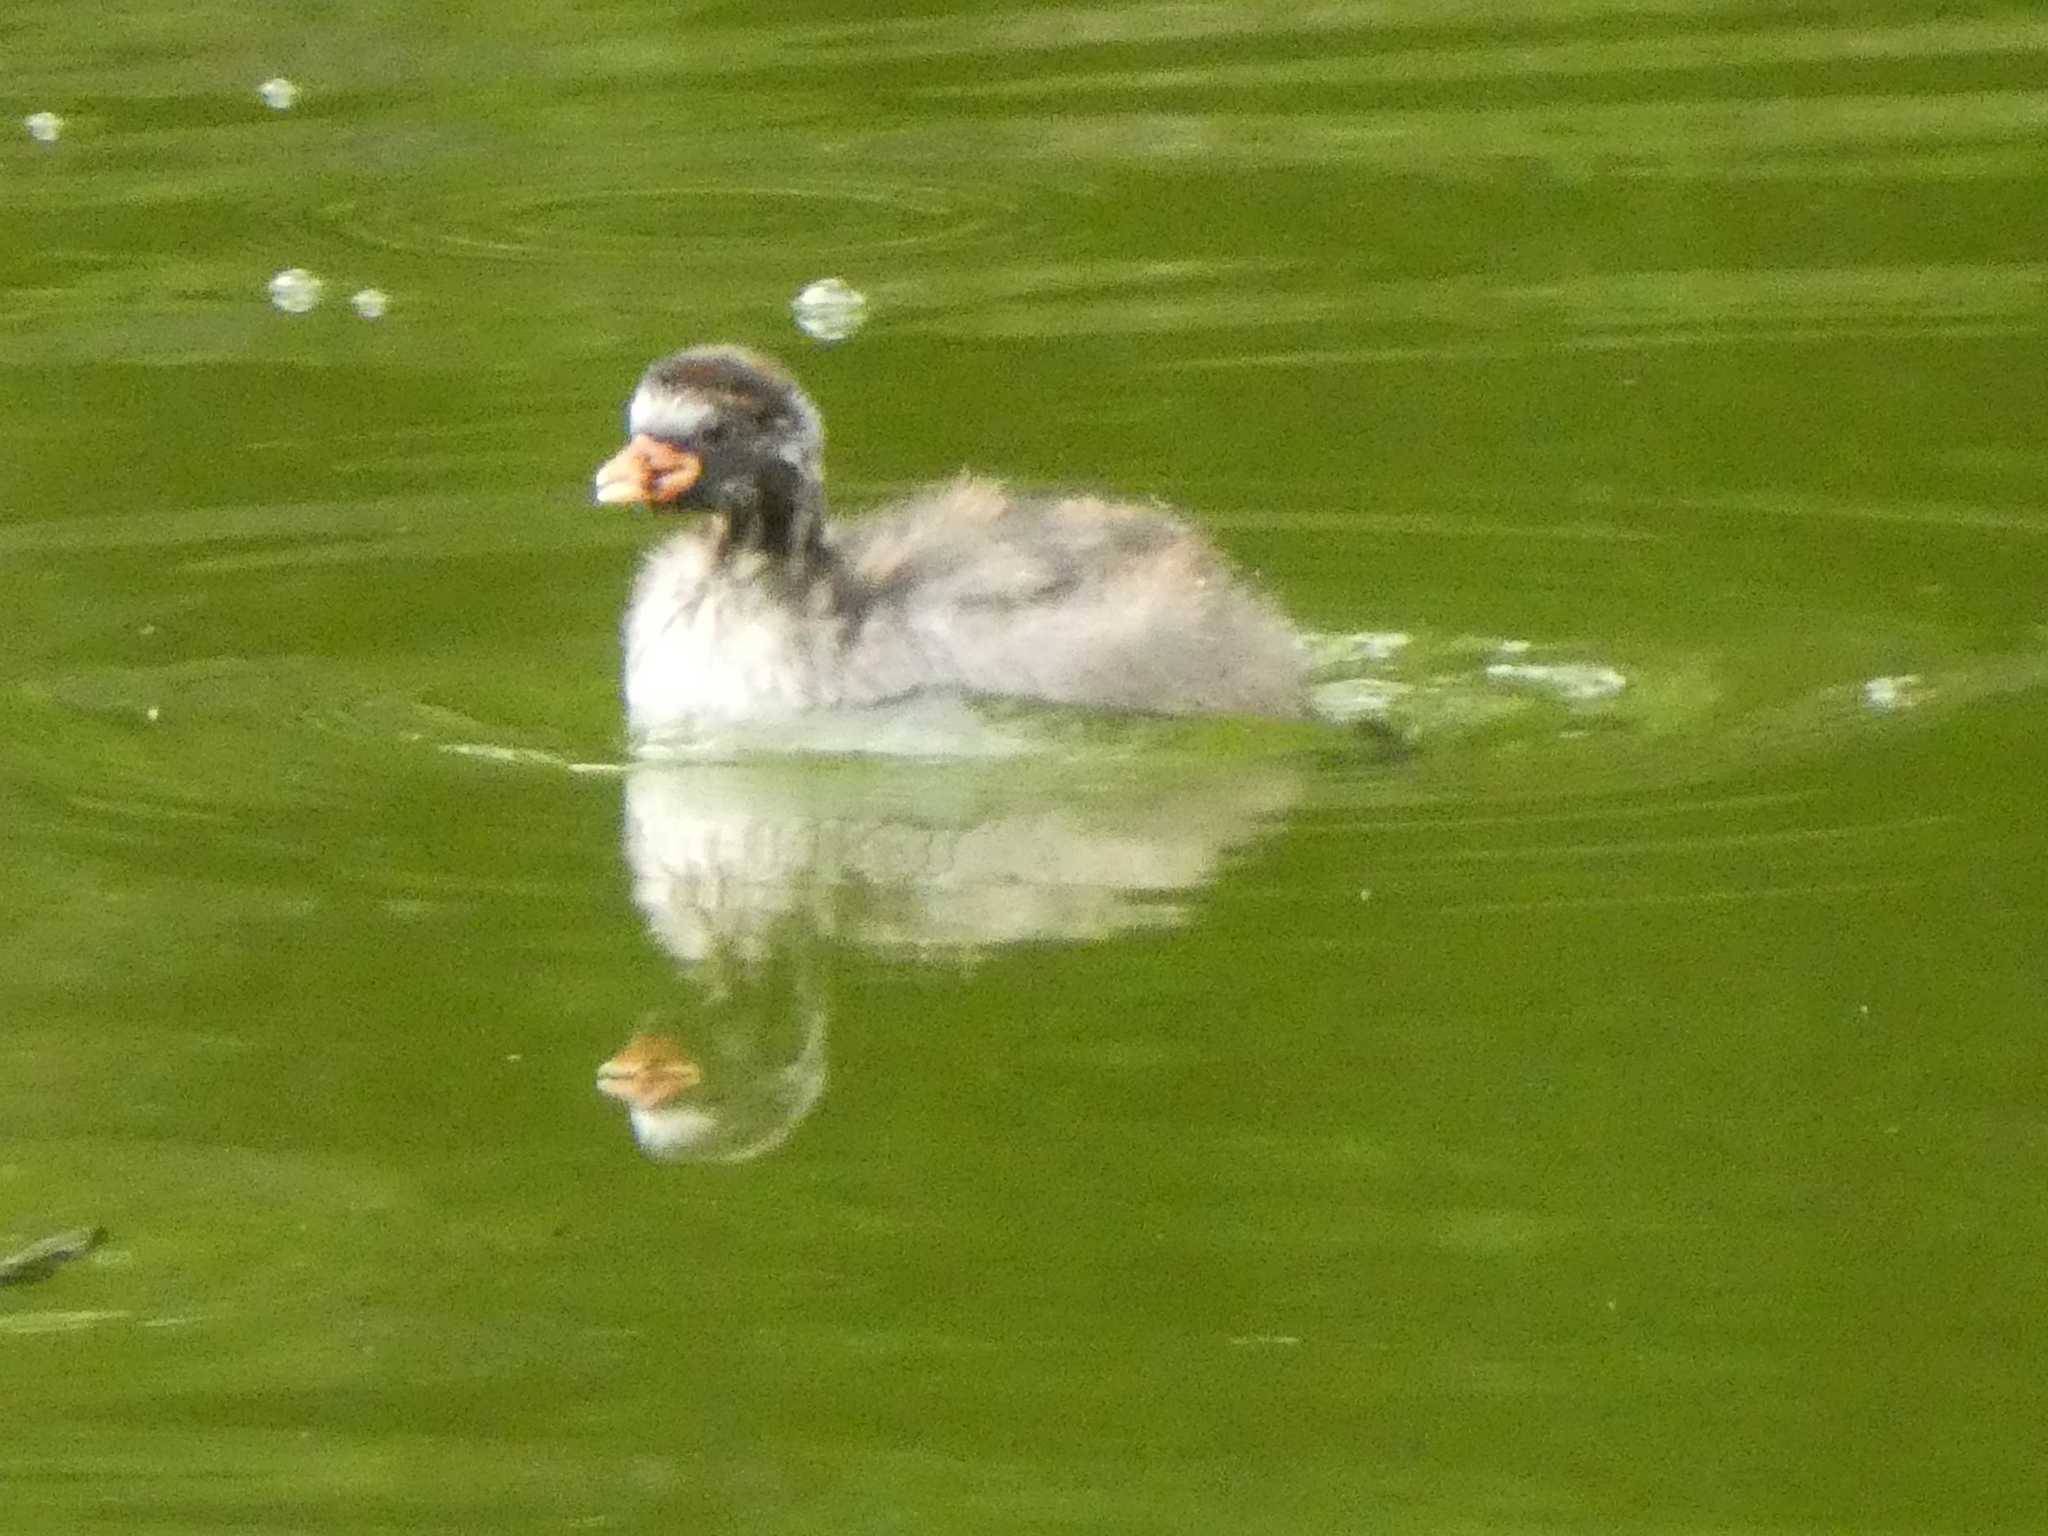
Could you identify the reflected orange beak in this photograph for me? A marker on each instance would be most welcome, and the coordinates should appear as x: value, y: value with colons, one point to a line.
x: 648, y: 1072
x: 647, y: 470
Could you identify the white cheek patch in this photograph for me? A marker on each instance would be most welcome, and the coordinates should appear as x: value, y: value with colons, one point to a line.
x: 669, y: 416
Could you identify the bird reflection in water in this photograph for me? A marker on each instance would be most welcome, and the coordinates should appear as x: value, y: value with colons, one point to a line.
x: 751, y: 875
x: 751, y: 1107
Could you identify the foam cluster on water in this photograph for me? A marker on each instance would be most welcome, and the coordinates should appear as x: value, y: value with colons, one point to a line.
x: 1885, y: 694
x: 1349, y: 700
x: 1576, y: 682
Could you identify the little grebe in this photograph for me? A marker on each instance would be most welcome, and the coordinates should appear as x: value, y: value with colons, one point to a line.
x: 769, y: 609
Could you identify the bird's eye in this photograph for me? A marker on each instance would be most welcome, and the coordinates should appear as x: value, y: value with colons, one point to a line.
x: 714, y: 432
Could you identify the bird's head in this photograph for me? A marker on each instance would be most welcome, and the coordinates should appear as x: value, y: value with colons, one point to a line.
x: 717, y: 429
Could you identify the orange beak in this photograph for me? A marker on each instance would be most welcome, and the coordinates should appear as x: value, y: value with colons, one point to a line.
x: 649, y: 1072
x: 647, y: 470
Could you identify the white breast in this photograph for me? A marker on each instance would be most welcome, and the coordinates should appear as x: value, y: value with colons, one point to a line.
x: 706, y: 646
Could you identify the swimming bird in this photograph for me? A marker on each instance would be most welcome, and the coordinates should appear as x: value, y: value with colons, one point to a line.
x: 768, y: 608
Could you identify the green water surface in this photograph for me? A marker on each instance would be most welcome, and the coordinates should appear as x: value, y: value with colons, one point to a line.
x: 1622, y: 1115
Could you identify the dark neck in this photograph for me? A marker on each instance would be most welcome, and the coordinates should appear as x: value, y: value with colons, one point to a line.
x: 779, y: 514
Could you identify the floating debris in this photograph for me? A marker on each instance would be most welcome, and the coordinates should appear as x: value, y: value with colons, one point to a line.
x: 829, y: 309
x: 1889, y: 693
x: 1574, y: 682
x: 295, y: 290
x: 278, y: 94
x: 43, y: 127
x: 40, y: 1260
x: 370, y: 303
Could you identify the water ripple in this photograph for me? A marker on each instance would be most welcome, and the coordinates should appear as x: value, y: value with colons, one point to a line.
x: 843, y: 220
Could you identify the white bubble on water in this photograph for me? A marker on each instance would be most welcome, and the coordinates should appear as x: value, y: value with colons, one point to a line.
x: 370, y: 303
x: 830, y: 309
x: 278, y: 94
x: 295, y: 290
x: 43, y: 127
